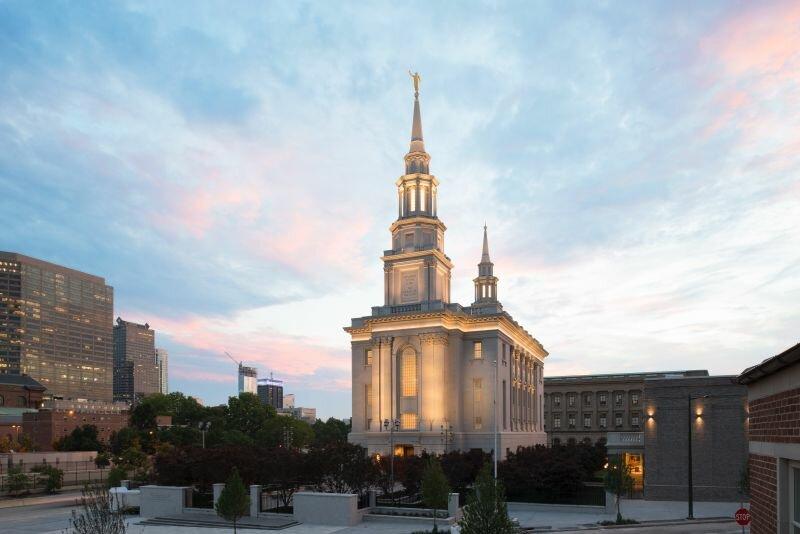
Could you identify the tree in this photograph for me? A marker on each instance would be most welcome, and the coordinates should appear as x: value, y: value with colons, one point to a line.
x: 435, y: 489
x: 54, y: 476
x: 330, y: 432
x: 134, y: 460
x: 284, y: 431
x: 618, y: 480
x: 246, y: 414
x: 486, y: 507
x: 124, y: 439
x: 97, y: 516
x: 84, y: 438
x: 115, y: 476
x: 102, y: 460
x: 16, y: 480
x: 143, y: 416
x: 234, y: 502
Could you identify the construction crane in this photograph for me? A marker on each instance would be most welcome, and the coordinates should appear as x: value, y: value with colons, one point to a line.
x: 228, y: 354
x: 247, y: 375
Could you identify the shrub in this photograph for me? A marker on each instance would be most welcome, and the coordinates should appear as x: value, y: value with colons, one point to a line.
x: 54, y: 477
x: 17, y: 481
x: 435, y: 488
x: 486, y: 509
x: 96, y: 515
x: 115, y: 476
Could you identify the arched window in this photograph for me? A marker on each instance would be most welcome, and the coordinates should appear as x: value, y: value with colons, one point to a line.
x: 408, y: 372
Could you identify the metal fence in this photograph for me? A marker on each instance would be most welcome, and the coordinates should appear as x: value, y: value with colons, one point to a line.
x: 72, y: 478
x: 413, y: 500
x: 83, y: 465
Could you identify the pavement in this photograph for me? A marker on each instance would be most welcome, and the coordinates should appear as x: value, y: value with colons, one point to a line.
x: 637, y: 509
x: 65, y: 498
x: 53, y: 516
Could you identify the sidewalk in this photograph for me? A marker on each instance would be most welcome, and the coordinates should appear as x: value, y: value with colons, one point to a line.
x: 65, y: 498
x: 637, y: 509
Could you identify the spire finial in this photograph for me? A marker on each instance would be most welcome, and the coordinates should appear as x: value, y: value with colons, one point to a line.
x: 416, y: 78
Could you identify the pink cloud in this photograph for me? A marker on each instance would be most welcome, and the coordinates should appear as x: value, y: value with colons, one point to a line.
x: 295, y: 357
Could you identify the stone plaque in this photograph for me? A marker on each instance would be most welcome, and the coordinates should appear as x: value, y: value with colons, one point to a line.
x: 408, y: 288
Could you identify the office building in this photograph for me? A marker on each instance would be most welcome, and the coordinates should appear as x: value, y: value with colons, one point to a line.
x: 55, y: 326
x: 270, y: 391
x: 136, y: 372
x: 162, y: 359
x: 248, y: 379
x: 288, y: 400
x: 309, y: 415
x: 423, y: 363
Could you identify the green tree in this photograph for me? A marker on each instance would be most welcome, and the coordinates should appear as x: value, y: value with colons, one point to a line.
x: 115, y: 476
x: 246, y: 414
x: 285, y: 431
x: 16, y: 480
x: 134, y: 459
x: 83, y: 438
x: 486, y: 509
x: 330, y: 432
x: 435, y: 489
x: 124, y: 439
x: 54, y: 477
x: 618, y: 481
x: 234, y: 502
x: 143, y: 416
x: 102, y: 460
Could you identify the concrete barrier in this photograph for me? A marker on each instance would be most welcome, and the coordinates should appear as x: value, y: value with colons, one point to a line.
x: 122, y: 498
x: 217, y: 491
x: 155, y: 501
x: 337, y: 509
x: 255, y: 500
x: 453, y: 509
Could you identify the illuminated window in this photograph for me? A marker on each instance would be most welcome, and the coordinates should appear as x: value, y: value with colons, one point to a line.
x: 477, y: 350
x: 618, y: 420
x: 368, y: 357
x: 602, y: 399
x: 634, y: 398
x: 571, y: 400
x: 413, y: 200
x: 587, y: 421
x: 409, y: 373
x: 618, y: 399
x: 557, y: 401
x: 635, y: 419
x: 571, y: 420
x: 422, y: 198
x: 603, y: 421
x: 556, y: 421
x: 408, y: 421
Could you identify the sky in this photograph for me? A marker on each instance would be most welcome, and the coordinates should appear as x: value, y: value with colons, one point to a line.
x: 229, y: 169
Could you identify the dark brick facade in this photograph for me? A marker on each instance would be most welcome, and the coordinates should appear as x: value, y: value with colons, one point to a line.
x: 763, y: 488
x: 776, y: 418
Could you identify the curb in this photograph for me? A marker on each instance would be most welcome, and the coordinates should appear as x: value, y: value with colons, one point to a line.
x: 641, y: 524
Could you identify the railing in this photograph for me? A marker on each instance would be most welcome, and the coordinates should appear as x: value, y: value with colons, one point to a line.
x: 625, y: 439
x: 70, y: 478
x: 406, y: 308
x: 271, y: 502
x: 202, y: 499
x: 402, y: 501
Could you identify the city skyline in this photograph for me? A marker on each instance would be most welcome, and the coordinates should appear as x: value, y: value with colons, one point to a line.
x: 228, y: 171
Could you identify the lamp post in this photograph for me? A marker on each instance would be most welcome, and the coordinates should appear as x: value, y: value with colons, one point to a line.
x: 447, y: 435
x: 204, y: 426
x: 691, y: 423
x: 16, y: 432
x: 392, y: 427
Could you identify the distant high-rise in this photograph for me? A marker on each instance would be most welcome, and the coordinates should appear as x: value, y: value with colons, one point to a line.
x: 288, y: 400
x: 270, y: 391
x: 162, y: 360
x: 248, y: 377
x: 55, y: 325
x: 136, y: 373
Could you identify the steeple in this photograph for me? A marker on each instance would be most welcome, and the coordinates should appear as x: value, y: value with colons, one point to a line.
x: 417, y: 159
x: 486, y: 282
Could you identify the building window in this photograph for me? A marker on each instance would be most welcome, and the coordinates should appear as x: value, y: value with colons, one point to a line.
x: 603, y: 421
x: 408, y: 421
x: 368, y: 357
x: 570, y: 400
x: 587, y: 400
x: 635, y: 419
x: 409, y: 373
x: 618, y: 399
x: 556, y: 441
x: 635, y: 399
x: 794, y: 499
x: 368, y: 405
x: 477, y: 350
x: 571, y: 420
x: 602, y: 399
x: 557, y: 401
x: 557, y: 421
x: 587, y: 421
x: 504, y: 405
x: 21, y: 402
x: 477, y: 403
x: 618, y: 420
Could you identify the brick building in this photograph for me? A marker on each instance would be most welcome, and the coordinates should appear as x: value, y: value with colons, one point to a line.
x: 18, y: 394
x: 773, y: 394
x: 59, y: 418
x: 716, y: 408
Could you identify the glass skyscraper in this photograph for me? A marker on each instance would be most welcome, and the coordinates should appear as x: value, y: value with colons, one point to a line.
x: 55, y: 325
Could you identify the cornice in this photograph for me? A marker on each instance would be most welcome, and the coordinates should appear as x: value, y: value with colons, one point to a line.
x: 416, y: 176
x: 454, y: 321
x: 407, y: 221
x: 413, y: 254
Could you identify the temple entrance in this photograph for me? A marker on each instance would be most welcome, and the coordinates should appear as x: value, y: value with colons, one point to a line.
x: 404, y: 451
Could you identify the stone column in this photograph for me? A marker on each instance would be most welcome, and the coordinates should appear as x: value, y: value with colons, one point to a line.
x: 382, y: 387
x: 432, y: 388
x: 255, y: 500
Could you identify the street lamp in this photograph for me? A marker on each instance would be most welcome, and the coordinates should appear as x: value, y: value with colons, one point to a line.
x: 447, y: 436
x: 392, y: 427
x: 16, y: 432
x: 204, y: 426
x: 691, y: 418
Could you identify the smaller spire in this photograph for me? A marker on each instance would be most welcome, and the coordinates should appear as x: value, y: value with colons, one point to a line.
x: 485, y: 255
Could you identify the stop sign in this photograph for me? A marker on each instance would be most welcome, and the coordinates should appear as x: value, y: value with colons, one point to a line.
x: 743, y: 516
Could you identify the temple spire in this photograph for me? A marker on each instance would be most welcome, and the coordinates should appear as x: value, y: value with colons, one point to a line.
x: 417, y: 159
x: 485, y: 254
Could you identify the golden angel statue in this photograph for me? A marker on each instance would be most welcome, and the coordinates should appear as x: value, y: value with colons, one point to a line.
x: 416, y: 77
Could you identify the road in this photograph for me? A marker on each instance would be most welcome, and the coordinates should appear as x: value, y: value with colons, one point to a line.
x: 36, y: 519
